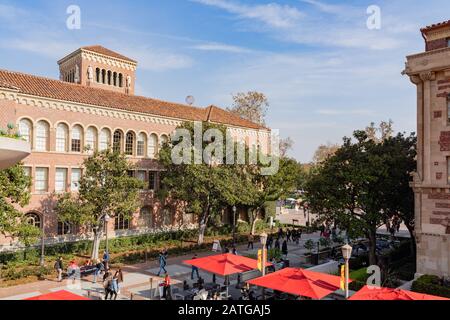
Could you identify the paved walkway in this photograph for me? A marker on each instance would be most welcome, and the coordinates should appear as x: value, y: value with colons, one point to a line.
x: 139, y: 278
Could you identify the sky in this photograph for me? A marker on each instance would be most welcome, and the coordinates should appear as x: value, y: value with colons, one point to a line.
x: 323, y: 70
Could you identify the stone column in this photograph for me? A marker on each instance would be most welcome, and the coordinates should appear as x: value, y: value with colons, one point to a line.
x: 418, y: 82
x: 427, y: 77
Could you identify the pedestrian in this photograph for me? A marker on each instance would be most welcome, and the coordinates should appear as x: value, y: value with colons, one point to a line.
x: 98, y: 269
x: 166, y: 291
x: 106, y: 260
x: 277, y: 244
x: 269, y: 242
x: 114, y: 286
x: 162, y: 259
x: 72, y: 270
x: 234, y: 251
x: 107, y: 284
x: 251, y: 238
x: 284, y: 249
x: 226, y: 250
x: 280, y: 233
x: 194, y: 269
x: 288, y: 235
x: 59, y: 267
x: 119, y: 275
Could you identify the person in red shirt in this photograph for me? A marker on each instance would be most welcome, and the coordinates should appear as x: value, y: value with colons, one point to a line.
x: 166, y: 292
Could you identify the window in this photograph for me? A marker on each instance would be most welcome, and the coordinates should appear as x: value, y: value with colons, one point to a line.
x: 26, y: 129
x: 33, y: 219
x: 27, y: 171
x: 141, y: 175
x: 103, y: 76
x: 115, y: 79
x: 117, y: 142
x: 60, y: 180
x: 141, y: 145
x: 167, y: 217
x: 75, y: 179
x: 76, y: 139
x: 147, y: 216
x: 64, y: 228
x: 152, y: 180
x: 105, y: 139
x: 41, y: 180
x: 164, y: 139
x: 97, y: 75
x: 42, y: 130
x: 129, y: 144
x: 121, y: 222
x: 62, y: 133
x: 109, y: 77
x: 120, y: 80
x: 130, y: 173
x: 91, y: 139
x: 152, y: 146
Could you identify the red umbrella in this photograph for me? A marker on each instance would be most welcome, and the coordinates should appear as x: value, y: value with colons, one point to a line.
x: 300, y: 282
x: 59, y: 295
x: 225, y: 264
x: 377, y: 293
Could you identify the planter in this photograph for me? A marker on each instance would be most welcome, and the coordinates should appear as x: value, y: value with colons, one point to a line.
x: 12, y: 151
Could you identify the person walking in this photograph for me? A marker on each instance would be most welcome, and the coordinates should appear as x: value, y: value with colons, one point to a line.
x: 234, y: 251
x: 288, y: 235
x: 98, y: 269
x: 251, y: 239
x: 162, y: 259
x: 284, y: 249
x: 194, y: 269
x: 106, y: 260
x: 277, y: 244
x: 166, y: 291
x: 119, y: 275
x: 114, y: 286
x: 107, y: 284
x: 59, y: 267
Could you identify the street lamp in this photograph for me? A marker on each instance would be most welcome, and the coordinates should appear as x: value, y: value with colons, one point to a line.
x: 234, y: 225
x: 106, y: 218
x: 42, y: 259
x: 346, y: 253
x: 263, y: 239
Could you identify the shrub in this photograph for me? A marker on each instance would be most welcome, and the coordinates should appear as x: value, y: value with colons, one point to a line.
x: 430, y: 284
x: 309, y: 245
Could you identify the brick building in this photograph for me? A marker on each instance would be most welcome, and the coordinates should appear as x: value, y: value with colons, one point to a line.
x: 430, y: 72
x: 93, y: 105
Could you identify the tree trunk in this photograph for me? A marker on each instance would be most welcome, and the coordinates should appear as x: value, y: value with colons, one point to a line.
x: 413, y: 239
x: 372, y: 247
x: 254, y: 219
x: 96, y: 245
x: 203, y: 223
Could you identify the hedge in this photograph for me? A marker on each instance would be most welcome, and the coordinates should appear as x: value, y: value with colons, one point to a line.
x: 430, y: 284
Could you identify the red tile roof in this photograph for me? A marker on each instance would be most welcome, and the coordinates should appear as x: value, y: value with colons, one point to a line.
x: 54, y: 89
x: 102, y: 50
x: 436, y: 26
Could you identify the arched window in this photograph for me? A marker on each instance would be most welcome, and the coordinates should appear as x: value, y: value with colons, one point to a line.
x: 115, y: 79
x: 91, y: 139
x: 109, y: 77
x: 26, y: 130
x: 121, y: 222
x: 152, y: 146
x: 42, y: 133
x: 164, y: 139
x: 168, y: 217
x: 117, y: 141
x: 141, y: 144
x: 64, y: 228
x: 33, y: 219
x: 62, y: 136
x: 103, y: 76
x: 147, y: 216
x: 120, y: 80
x: 97, y: 75
x: 129, y: 144
x: 105, y: 139
x: 77, y: 134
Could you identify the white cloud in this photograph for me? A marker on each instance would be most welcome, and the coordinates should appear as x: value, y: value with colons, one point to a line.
x: 213, y: 46
x: 152, y: 59
x: 272, y: 14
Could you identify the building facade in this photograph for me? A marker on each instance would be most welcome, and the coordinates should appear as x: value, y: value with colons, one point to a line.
x: 430, y: 72
x: 93, y: 107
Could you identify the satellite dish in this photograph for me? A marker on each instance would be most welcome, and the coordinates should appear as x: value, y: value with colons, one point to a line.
x: 190, y: 100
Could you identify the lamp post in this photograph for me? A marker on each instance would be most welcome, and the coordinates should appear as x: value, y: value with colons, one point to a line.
x: 346, y: 253
x: 106, y: 218
x: 234, y: 225
x: 263, y: 239
x: 42, y: 259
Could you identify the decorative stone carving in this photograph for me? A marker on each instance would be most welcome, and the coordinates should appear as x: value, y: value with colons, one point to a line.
x: 444, y: 141
x: 128, y: 82
x: 428, y: 76
x: 90, y: 73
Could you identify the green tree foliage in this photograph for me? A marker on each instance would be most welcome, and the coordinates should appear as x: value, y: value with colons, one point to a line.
x: 365, y: 183
x: 14, y: 191
x: 105, y: 189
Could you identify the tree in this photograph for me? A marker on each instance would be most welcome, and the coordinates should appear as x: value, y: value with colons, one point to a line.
x: 104, y: 189
x: 251, y: 106
x: 285, y: 146
x: 364, y: 184
x: 204, y: 189
x: 385, y: 130
x: 14, y: 191
x: 325, y: 151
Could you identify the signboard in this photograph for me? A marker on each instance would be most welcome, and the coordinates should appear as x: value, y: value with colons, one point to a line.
x: 261, y: 258
x: 216, y: 246
x: 343, y: 277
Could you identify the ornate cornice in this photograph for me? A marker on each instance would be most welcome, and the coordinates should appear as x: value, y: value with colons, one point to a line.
x: 110, y: 61
x: 428, y: 76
